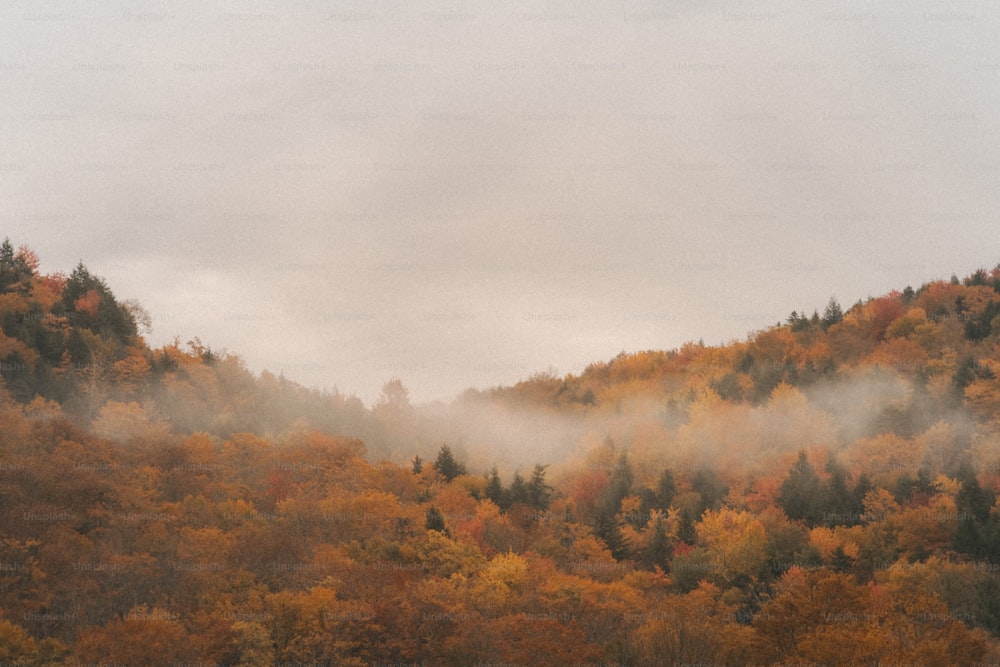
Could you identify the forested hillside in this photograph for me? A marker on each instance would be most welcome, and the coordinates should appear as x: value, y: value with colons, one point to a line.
x: 822, y: 492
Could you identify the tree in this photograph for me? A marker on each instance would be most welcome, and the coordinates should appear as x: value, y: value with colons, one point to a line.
x: 797, y: 322
x: 435, y: 520
x: 619, y: 486
x: 610, y: 532
x: 736, y: 544
x: 833, y: 314
x: 659, y: 549
x: 539, y: 493
x: 93, y: 306
x: 981, y: 326
x: 666, y: 488
x: 839, y: 506
x: 801, y: 492
x: 446, y: 464
x: 660, y: 497
x: 518, y: 492
x: 395, y: 395
x: 494, y: 489
x: 8, y: 270
x: 972, y: 498
x: 963, y: 376
x: 973, y: 504
x: 709, y: 487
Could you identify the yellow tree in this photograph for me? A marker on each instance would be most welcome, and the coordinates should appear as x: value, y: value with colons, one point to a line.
x: 497, y: 585
x: 735, y: 542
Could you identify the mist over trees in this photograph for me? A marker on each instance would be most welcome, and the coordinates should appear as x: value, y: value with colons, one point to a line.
x: 822, y: 492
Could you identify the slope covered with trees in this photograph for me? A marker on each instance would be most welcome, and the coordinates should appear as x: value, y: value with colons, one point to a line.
x: 823, y: 492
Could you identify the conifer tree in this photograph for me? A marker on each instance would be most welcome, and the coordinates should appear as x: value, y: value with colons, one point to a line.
x: 800, y: 492
x: 659, y: 548
x: 435, y: 520
x: 495, y: 490
x: 619, y: 487
x: 446, y: 464
x: 518, y: 492
x: 610, y: 533
x: 8, y: 272
x: 833, y: 314
x: 539, y: 493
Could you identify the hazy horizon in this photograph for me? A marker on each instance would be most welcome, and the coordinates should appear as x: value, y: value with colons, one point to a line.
x: 462, y: 196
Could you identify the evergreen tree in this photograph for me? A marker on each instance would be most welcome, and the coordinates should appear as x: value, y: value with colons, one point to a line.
x: 798, y: 322
x: 77, y: 347
x: 837, y: 503
x: 446, y: 464
x: 801, y: 491
x: 539, y: 493
x: 610, y: 533
x: 418, y: 465
x: 79, y: 283
x: 518, y: 492
x: 706, y: 484
x: 494, y: 489
x: 972, y: 499
x: 662, y: 496
x: 981, y: 326
x: 907, y: 487
x: 841, y: 562
x: 659, y: 548
x: 8, y: 270
x: 111, y: 320
x: 924, y: 482
x: 858, y: 493
x: 833, y: 314
x: 968, y: 539
x: 728, y: 387
x: 686, y: 530
x: 435, y: 520
x: 619, y: 486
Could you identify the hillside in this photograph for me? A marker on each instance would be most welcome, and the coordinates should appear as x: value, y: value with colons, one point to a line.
x: 822, y: 492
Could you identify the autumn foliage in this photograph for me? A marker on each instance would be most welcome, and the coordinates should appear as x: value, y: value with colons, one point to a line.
x: 823, y: 492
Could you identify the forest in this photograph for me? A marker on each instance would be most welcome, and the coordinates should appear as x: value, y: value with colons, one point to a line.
x: 821, y: 492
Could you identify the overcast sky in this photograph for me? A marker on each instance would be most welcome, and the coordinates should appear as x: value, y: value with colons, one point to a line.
x: 463, y: 194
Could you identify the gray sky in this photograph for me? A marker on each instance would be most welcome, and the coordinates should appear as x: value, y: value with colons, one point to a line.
x: 463, y: 194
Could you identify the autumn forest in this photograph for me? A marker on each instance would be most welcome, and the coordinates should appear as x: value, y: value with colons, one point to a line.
x: 822, y: 492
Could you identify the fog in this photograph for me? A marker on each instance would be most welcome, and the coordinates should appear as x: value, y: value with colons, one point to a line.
x: 844, y: 416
